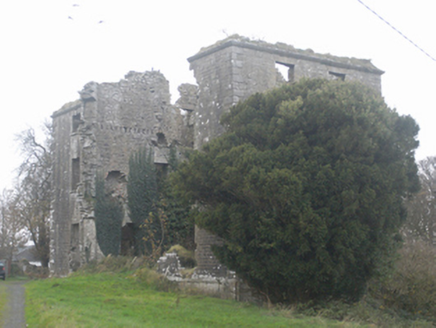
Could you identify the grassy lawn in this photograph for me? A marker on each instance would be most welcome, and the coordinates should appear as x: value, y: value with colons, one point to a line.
x: 119, y: 300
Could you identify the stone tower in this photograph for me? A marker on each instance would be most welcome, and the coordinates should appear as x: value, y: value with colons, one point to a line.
x: 235, y: 68
x: 99, y: 131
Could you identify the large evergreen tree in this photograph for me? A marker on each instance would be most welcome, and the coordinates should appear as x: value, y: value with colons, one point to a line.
x: 305, y: 188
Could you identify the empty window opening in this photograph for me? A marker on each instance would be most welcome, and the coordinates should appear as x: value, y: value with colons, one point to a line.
x: 74, y: 236
x: 185, y: 111
x: 116, y: 184
x: 161, y: 139
x: 75, y: 173
x: 286, y: 71
x: 114, y: 175
x: 338, y: 76
x: 76, y: 122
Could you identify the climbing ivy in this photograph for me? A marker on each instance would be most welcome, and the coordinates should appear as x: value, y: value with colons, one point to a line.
x: 143, y: 199
x: 160, y: 217
x: 109, y: 215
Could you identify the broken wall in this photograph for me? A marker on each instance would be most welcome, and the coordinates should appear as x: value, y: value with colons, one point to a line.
x: 98, y: 133
x: 236, y: 68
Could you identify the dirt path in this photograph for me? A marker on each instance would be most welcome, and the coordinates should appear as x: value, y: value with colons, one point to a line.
x: 14, y: 309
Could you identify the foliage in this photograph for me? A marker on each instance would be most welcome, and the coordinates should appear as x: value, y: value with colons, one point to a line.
x: 12, y: 235
x: 34, y: 187
x: 143, y: 198
x: 305, y: 188
x: 160, y: 216
x: 114, y: 264
x: 421, y: 207
x: 187, y: 258
x: 32, y: 272
x: 411, y: 286
x: 109, y: 215
x: 179, y: 224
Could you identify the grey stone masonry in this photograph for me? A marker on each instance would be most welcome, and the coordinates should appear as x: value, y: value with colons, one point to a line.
x: 98, y: 133
x: 110, y: 121
x: 235, y: 68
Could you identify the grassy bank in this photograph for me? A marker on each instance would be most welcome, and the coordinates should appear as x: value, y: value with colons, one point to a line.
x: 121, y: 300
x: 122, y: 292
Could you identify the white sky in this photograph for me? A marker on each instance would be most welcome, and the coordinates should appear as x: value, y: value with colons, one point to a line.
x: 45, y: 57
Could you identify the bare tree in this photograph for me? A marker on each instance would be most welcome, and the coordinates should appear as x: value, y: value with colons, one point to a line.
x: 34, y: 188
x: 12, y: 232
x: 421, y: 221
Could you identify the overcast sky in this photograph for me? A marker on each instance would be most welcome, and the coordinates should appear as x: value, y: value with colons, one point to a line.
x: 51, y: 48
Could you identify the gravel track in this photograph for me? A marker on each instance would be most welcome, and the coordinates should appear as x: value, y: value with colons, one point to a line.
x: 14, y: 309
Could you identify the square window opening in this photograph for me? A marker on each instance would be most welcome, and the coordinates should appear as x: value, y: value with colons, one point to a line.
x: 75, y: 173
x: 338, y: 76
x: 76, y: 122
x: 286, y: 71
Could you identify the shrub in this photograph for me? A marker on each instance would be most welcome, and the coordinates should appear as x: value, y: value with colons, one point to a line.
x: 32, y: 271
x: 155, y: 280
x: 411, y: 286
x: 305, y: 188
x: 187, y: 258
x: 113, y: 264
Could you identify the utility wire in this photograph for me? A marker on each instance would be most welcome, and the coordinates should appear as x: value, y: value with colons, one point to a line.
x: 396, y: 30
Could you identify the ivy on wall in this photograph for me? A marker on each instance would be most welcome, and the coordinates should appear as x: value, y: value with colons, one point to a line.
x: 109, y: 215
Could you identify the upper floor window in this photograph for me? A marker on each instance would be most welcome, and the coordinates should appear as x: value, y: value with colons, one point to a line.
x: 286, y: 70
x: 75, y: 173
x: 76, y: 122
x: 338, y: 76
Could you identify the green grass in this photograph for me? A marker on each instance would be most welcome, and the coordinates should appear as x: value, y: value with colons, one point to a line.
x: 119, y: 300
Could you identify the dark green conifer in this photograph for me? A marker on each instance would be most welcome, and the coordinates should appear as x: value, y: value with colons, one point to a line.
x: 142, y: 201
x: 306, y: 188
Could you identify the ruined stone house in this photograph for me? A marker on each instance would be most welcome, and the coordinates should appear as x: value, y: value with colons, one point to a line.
x: 98, y: 132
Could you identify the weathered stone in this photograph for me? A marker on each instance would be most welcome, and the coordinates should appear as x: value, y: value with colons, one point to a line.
x: 188, y: 96
x: 235, y: 68
x: 99, y: 132
x: 169, y: 265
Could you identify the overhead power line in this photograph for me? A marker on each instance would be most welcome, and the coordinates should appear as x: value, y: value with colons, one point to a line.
x: 399, y: 32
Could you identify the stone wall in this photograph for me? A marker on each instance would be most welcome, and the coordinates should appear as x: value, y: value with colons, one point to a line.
x: 99, y: 132
x: 235, y: 68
